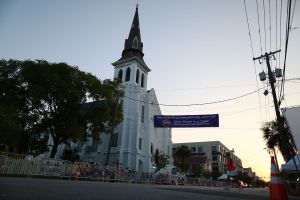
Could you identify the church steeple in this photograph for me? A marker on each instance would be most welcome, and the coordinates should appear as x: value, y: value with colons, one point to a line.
x: 133, y: 46
x: 134, y: 38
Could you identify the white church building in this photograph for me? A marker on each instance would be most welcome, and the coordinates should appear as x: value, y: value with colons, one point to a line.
x: 135, y: 139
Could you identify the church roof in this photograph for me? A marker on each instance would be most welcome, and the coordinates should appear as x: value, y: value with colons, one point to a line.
x: 133, y: 46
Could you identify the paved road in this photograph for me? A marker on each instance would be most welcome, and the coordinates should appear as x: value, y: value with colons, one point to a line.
x: 47, y: 189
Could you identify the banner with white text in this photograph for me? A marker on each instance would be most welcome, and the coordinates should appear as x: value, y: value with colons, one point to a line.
x: 186, y: 121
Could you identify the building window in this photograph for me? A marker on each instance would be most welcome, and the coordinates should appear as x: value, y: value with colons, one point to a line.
x: 135, y: 43
x: 127, y: 74
x: 143, y: 114
x: 193, y: 149
x: 215, y: 158
x: 142, y: 81
x: 140, y: 143
x: 200, y: 149
x: 137, y: 76
x: 114, y: 140
x: 214, y: 148
x: 120, y: 74
x: 151, y: 149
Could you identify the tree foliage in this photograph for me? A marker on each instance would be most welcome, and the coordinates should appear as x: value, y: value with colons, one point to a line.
x: 18, y: 132
x: 282, y: 140
x: 161, y: 160
x: 71, y: 154
x: 41, y: 100
x: 181, y: 153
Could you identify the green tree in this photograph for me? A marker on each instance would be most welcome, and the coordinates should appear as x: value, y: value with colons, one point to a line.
x: 181, y: 153
x: 114, y: 91
x: 17, y: 133
x: 56, y: 92
x: 197, y: 169
x: 71, y: 154
x: 52, y: 96
x: 283, y: 141
x: 161, y: 160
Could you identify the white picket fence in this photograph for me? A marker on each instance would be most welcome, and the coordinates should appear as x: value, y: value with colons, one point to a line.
x: 16, y: 164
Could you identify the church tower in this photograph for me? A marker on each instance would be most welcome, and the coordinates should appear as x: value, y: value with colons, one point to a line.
x: 131, y: 67
x: 135, y: 139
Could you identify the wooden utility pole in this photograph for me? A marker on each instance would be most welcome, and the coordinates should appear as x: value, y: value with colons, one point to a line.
x: 271, y: 81
x: 279, y: 120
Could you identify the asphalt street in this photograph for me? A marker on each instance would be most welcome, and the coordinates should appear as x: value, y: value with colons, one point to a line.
x: 48, y: 189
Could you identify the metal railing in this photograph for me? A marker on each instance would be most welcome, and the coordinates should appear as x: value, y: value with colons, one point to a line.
x: 17, y: 164
x: 24, y: 165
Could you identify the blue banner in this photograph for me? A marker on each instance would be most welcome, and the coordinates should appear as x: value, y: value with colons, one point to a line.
x: 186, y: 121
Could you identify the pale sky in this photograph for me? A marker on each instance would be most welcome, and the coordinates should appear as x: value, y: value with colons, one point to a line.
x: 198, y: 50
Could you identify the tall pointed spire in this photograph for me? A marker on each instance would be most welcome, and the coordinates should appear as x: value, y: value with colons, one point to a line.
x: 134, y: 37
x: 133, y: 47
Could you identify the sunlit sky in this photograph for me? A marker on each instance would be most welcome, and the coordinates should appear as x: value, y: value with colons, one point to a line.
x: 198, y: 50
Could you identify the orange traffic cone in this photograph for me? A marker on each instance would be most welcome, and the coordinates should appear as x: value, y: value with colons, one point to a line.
x: 277, y: 189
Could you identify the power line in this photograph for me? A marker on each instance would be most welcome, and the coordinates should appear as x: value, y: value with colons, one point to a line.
x: 265, y: 25
x: 259, y: 27
x: 280, y: 17
x: 206, y: 103
x: 251, y: 43
x: 276, y: 31
x: 270, y: 21
x: 280, y: 30
x: 201, y: 88
x: 292, y: 79
x: 293, y: 14
x: 281, y: 95
x: 196, y: 104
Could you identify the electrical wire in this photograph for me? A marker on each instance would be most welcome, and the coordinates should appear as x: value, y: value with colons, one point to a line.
x: 261, y: 50
x: 280, y: 17
x: 286, y: 46
x: 279, y: 57
x: 196, y: 104
x: 265, y: 26
x: 276, y: 31
x: 270, y: 27
x: 200, y: 88
x: 206, y: 103
x: 251, y: 43
x: 293, y: 14
x: 247, y: 19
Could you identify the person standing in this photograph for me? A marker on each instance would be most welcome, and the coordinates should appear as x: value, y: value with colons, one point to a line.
x: 231, y: 170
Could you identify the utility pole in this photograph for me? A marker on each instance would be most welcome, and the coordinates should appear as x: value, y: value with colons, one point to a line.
x: 279, y: 120
x: 271, y: 81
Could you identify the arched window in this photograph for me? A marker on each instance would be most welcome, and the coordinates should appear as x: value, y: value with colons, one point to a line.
x: 120, y: 74
x: 127, y: 78
x: 137, y: 76
x: 142, y: 81
x: 135, y: 43
x: 152, y: 149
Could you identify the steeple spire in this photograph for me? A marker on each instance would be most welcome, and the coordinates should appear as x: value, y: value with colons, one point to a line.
x: 133, y: 46
x: 134, y: 38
